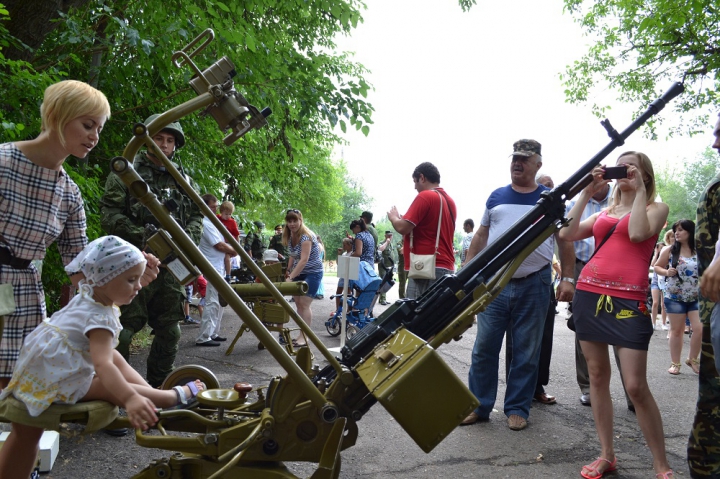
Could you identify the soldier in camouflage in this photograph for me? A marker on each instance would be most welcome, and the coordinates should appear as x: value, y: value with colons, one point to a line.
x: 402, y: 274
x: 160, y: 304
x: 704, y: 442
x: 255, y: 243
x: 277, y: 245
x: 387, y: 260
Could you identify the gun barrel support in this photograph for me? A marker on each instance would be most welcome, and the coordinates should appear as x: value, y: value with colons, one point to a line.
x: 121, y: 167
x: 144, y: 135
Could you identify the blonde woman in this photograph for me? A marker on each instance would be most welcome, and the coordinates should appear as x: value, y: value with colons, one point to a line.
x: 609, y: 304
x: 41, y: 205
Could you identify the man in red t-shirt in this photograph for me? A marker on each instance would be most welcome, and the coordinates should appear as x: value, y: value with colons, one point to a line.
x: 421, y: 220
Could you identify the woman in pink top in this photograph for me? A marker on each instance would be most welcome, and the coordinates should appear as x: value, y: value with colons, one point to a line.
x: 609, y: 304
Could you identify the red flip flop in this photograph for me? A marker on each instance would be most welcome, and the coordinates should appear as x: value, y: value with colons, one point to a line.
x: 595, y: 466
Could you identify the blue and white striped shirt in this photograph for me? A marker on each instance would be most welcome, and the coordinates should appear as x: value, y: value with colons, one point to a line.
x: 314, y: 263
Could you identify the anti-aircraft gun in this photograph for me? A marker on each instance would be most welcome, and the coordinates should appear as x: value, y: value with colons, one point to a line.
x: 309, y: 414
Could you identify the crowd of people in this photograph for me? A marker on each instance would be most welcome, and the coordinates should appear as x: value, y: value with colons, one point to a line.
x: 121, y: 289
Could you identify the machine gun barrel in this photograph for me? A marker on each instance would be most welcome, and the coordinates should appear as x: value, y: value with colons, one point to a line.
x: 450, y: 295
x: 256, y: 290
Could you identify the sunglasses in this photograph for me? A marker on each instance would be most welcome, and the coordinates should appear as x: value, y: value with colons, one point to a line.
x: 292, y: 211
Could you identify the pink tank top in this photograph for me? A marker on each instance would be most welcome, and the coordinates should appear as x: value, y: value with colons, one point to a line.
x: 620, y: 268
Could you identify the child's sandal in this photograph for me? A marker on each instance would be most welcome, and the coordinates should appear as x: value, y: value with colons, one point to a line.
x: 184, y: 401
x: 665, y: 475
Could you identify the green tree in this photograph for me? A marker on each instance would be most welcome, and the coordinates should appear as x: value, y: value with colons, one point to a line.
x: 681, y: 187
x: 641, y: 47
x: 284, y: 56
x: 353, y: 200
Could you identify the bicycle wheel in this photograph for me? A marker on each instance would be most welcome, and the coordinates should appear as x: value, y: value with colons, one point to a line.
x: 333, y: 325
x: 351, y: 331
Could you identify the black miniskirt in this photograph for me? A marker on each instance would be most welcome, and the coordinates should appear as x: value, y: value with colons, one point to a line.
x: 607, y: 319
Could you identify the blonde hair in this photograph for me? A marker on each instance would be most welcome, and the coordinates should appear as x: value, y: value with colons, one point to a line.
x: 669, y: 237
x: 304, y: 230
x: 227, y: 206
x: 67, y: 100
x: 646, y: 168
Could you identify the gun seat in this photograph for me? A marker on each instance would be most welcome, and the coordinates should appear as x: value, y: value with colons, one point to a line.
x: 94, y: 414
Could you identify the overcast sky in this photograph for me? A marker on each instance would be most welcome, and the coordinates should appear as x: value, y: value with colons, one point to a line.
x: 458, y: 89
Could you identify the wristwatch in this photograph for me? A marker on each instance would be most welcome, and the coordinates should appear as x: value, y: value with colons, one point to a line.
x: 568, y: 279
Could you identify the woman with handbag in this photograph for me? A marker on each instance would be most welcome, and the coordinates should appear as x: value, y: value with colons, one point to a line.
x: 678, y: 264
x: 609, y: 304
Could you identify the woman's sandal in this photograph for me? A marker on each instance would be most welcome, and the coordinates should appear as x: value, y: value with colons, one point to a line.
x: 184, y: 401
x: 595, y: 466
x: 694, y: 364
x: 674, y: 368
x: 665, y: 475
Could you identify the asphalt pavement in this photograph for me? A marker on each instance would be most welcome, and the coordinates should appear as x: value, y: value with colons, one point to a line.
x: 558, y: 441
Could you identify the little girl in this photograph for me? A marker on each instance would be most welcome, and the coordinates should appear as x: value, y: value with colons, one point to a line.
x: 70, y: 357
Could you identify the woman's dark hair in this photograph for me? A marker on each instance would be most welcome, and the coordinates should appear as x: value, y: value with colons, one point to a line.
x: 359, y: 223
x: 686, y: 225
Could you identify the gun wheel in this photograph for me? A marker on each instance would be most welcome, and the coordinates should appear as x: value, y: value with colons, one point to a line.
x: 188, y: 373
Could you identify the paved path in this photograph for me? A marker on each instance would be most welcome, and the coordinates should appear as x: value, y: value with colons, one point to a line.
x: 560, y: 438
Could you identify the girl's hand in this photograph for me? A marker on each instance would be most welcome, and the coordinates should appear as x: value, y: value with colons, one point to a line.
x: 671, y: 272
x: 598, y: 183
x: 141, y: 412
x: 635, y: 177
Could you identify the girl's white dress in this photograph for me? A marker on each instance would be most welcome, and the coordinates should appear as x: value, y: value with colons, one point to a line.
x: 54, y: 364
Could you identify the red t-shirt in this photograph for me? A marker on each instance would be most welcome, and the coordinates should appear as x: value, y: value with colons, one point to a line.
x: 201, y: 285
x: 423, y: 213
x: 620, y: 267
x: 231, y: 226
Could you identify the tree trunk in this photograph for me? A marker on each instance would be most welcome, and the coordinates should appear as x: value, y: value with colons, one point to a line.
x: 31, y: 21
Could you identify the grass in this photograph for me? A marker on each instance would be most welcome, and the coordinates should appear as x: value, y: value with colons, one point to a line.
x: 141, y: 340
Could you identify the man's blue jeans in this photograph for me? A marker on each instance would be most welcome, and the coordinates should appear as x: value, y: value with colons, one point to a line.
x: 520, y: 308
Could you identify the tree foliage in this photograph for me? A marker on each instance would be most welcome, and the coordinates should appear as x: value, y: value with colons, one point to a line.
x: 681, y: 187
x: 285, y: 58
x: 353, y: 200
x: 642, y: 46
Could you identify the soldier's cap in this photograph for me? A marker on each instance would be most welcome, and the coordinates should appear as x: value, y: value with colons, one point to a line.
x: 278, y: 226
x: 388, y: 232
x: 526, y: 148
x: 259, y: 224
x: 367, y: 215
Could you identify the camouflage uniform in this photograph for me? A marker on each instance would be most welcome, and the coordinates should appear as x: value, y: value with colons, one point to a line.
x: 704, y: 442
x: 373, y: 232
x: 160, y: 304
x: 255, y: 246
x: 387, y: 261
x: 402, y: 274
x: 277, y: 245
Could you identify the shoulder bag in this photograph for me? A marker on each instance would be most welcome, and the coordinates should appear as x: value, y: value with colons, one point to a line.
x: 422, y: 266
